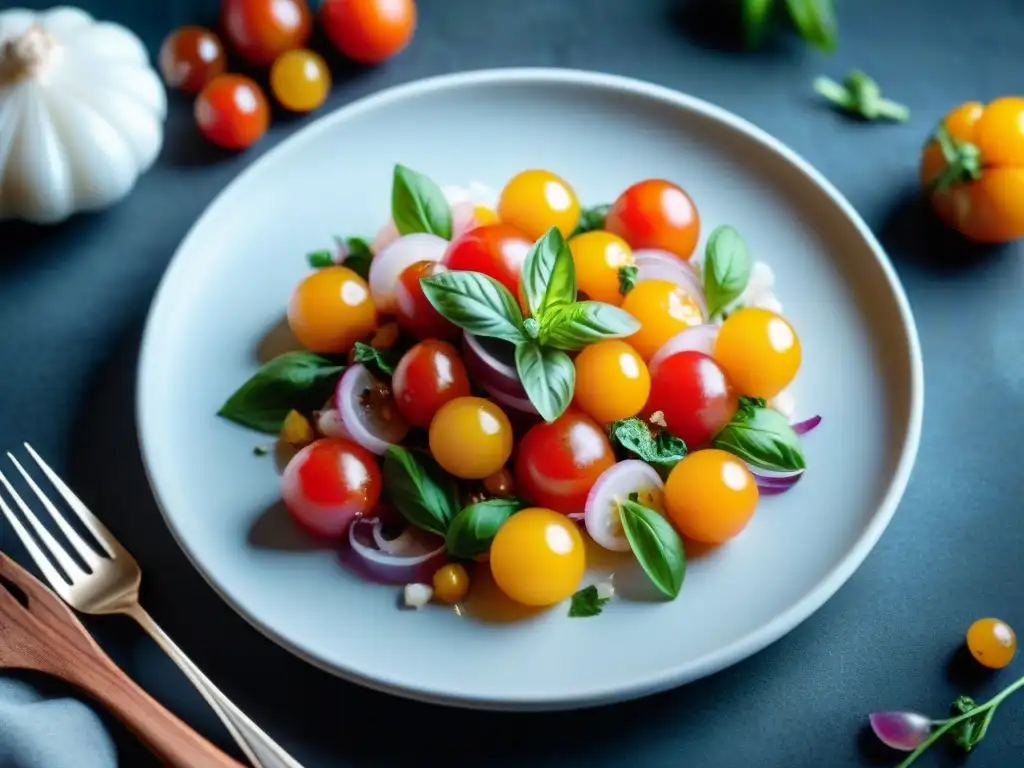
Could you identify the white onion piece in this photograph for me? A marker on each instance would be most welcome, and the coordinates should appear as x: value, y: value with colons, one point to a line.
x: 411, y: 542
x: 330, y: 424
x: 678, y: 272
x: 463, y: 218
x: 388, y: 265
x: 387, y: 567
x: 613, y: 486
x: 491, y: 369
x: 656, y: 254
x: 367, y: 426
x: 699, y: 338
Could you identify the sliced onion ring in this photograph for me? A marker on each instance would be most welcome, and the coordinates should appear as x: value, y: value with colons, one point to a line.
x: 615, y: 484
x: 678, y: 272
x: 388, y: 265
x: 699, y: 338
x: 490, y: 365
x: 521, y: 404
x: 770, y: 483
x: 656, y: 254
x: 366, y: 427
x: 803, y: 427
x: 418, y: 563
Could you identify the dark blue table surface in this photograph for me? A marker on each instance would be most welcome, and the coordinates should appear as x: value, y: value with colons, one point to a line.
x: 73, y: 299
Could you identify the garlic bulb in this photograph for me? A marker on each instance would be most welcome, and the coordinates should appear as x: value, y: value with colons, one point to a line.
x: 81, y: 113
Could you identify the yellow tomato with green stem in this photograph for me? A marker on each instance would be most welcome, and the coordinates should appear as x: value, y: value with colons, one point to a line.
x: 612, y: 381
x: 600, y: 258
x: 534, y: 201
x: 537, y: 557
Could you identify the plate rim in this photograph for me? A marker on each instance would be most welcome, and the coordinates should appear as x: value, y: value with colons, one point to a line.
x: 668, y: 677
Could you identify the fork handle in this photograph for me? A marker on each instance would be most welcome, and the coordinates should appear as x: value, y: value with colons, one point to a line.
x: 261, y: 750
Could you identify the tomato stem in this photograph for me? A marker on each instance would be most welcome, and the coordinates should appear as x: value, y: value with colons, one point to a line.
x: 963, y: 160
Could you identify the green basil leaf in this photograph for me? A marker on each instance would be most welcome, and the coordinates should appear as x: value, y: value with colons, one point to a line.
x: 549, y: 275
x: 627, y: 278
x: 591, y: 219
x: 379, y: 361
x: 320, y: 259
x: 662, y: 451
x: 726, y: 268
x: 756, y: 15
x: 357, y: 255
x: 419, y: 489
x: 548, y: 376
x: 295, y: 380
x: 419, y: 205
x: 816, y: 22
x: 656, y: 545
x: 574, y: 326
x: 473, y: 528
x: 586, y: 602
x: 477, y: 303
x: 762, y: 437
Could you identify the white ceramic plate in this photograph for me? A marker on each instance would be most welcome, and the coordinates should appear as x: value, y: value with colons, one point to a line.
x: 230, y: 281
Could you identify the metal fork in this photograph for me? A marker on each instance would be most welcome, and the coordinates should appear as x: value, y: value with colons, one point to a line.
x: 112, y: 586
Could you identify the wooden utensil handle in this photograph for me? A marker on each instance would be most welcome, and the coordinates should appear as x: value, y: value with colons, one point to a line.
x: 165, y: 735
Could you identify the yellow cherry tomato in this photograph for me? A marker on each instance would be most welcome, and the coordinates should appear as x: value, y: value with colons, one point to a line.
x: 300, y: 80
x: 483, y: 215
x: 663, y: 309
x: 612, y: 381
x: 759, y: 352
x: 331, y: 310
x: 470, y: 437
x: 599, y: 256
x: 710, y: 496
x: 992, y: 642
x: 535, y: 201
x: 537, y: 557
x: 451, y: 583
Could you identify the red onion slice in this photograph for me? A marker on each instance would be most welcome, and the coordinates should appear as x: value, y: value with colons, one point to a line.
x: 803, y: 427
x: 656, y: 254
x: 521, y: 404
x: 492, y: 363
x: 771, y: 483
x: 615, y: 484
x: 376, y: 429
x: 388, y: 265
x: 655, y: 267
x: 699, y: 338
x: 420, y: 558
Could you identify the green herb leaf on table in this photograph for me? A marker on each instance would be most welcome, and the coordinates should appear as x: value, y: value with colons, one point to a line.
x: 419, y: 205
x: 549, y: 275
x: 357, y: 255
x: 320, y: 259
x: 726, y: 268
x: 627, y: 278
x: 859, y: 95
x: 379, y: 361
x: 472, y: 530
x: 548, y: 376
x: 574, y: 326
x: 586, y: 602
x: 815, y: 20
x: 762, y: 437
x: 591, y: 219
x: 419, y: 489
x: 476, y: 303
x: 756, y: 17
x: 967, y: 733
x: 662, y: 451
x: 656, y: 545
x: 300, y: 381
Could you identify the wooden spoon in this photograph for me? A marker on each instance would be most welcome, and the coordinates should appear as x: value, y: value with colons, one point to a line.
x: 45, y: 636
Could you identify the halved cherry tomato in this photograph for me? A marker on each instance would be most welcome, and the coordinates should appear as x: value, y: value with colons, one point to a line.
x: 369, y: 31
x: 232, y: 112
x: 656, y: 214
x: 190, y: 57
x: 428, y: 376
x: 694, y: 397
x: 261, y: 30
x: 415, y: 314
x: 973, y: 170
x: 557, y: 463
x: 496, y: 250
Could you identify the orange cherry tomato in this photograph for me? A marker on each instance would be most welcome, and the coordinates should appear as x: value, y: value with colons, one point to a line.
x: 369, y: 31
x: 261, y: 30
x: 331, y: 310
x: 655, y: 214
x: 232, y: 112
x: 191, y: 57
x: 973, y: 170
x: 710, y: 496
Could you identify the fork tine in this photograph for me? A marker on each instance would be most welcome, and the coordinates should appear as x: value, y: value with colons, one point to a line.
x: 42, y: 561
x: 84, y: 550
x: 89, y: 520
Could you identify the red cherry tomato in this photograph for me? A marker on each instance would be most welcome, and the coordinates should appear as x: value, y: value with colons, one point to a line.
x: 232, y: 112
x: 190, y: 57
x: 330, y: 483
x: 497, y: 250
x: 261, y: 30
x: 415, y: 314
x: 694, y: 396
x: 655, y: 214
x: 557, y: 463
x: 369, y: 31
x: 428, y: 376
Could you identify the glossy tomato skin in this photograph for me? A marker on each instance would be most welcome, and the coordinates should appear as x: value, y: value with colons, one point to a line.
x: 190, y: 57
x: 656, y: 214
x: 232, y: 112
x: 429, y: 375
x: 557, y: 463
x: 330, y: 483
x: 369, y: 31
x: 416, y: 315
x: 261, y: 30
x: 694, y: 396
x: 496, y: 250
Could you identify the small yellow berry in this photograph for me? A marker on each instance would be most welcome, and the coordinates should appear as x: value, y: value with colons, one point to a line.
x: 992, y: 642
x: 296, y: 430
x: 451, y: 583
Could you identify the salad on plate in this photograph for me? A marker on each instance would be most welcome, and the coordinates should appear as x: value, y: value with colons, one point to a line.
x: 491, y: 394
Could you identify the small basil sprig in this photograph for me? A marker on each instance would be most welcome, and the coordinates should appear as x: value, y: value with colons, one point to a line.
x: 352, y: 252
x: 860, y: 95
x: 656, y: 545
x: 300, y: 381
x: 419, y: 205
x: 662, y: 451
x: 472, y: 530
x: 726, y: 268
x: 763, y: 437
x: 587, y: 602
x: 556, y: 322
x: 815, y: 20
x: 381, y: 362
x: 419, y: 489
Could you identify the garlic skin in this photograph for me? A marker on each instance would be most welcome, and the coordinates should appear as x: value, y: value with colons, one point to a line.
x: 81, y: 113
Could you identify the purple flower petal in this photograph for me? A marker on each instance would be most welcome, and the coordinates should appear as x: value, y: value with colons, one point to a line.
x: 901, y: 730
